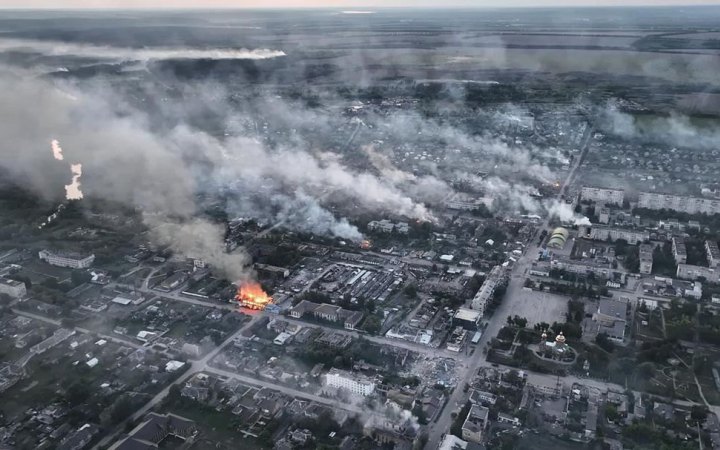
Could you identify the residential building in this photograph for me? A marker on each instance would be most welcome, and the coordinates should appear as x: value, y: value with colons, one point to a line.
x: 155, y: 429
x: 646, y: 258
x: 713, y: 253
x: 475, y: 424
x: 67, y: 259
x: 355, y: 383
x: 485, y: 294
x: 506, y: 418
x: 690, y: 272
x: 604, y: 215
x: 583, y: 267
x: 13, y: 288
x: 601, y: 195
x: 482, y: 397
x: 387, y: 226
x: 604, y: 233
x: 690, y: 205
x: 679, y: 250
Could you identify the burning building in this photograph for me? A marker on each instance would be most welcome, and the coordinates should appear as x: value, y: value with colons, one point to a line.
x: 252, y: 296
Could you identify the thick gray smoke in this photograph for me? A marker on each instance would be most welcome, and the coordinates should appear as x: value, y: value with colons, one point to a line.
x: 674, y: 129
x: 57, y: 48
x: 127, y: 162
x: 197, y: 238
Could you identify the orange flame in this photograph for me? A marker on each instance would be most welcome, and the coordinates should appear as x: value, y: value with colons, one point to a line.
x: 251, y: 295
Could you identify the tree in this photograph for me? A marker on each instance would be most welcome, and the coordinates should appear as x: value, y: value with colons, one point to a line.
x: 78, y: 277
x: 698, y: 414
x: 122, y: 409
x: 604, y: 342
x: 372, y: 325
x: 411, y: 291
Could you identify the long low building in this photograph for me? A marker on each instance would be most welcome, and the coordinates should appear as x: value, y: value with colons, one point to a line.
x: 690, y: 272
x: 690, y: 205
x: 601, y: 195
x: 486, y: 291
x: 328, y: 312
x: 603, y: 233
x: 67, y: 259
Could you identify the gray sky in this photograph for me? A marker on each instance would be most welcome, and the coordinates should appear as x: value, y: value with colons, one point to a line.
x: 59, y: 4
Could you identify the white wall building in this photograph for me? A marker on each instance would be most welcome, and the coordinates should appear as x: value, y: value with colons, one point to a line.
x: 600, y: 195
x: 66, y: 259
x: 354, y: 383
x: 690, y: 205
x: 13, y: 288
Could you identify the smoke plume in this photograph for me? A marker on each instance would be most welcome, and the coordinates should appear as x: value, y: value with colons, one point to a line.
x: 57, y: 48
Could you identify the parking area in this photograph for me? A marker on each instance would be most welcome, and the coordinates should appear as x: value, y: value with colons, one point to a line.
x: 538, y: 306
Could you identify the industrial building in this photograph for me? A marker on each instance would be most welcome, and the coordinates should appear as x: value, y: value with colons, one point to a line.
x: 558, y: 238
x: 601, y: 195
x: 328, y: 312
x: 67, y: 259
x: 690, y: 205
x: 355, y: 383
x: 13, y: 288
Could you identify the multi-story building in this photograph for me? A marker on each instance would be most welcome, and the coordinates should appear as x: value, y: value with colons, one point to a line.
x: 582, y: 267
x: 355, y: 383
x: 67, y: 259
x: 328, y: 312
x: 611, y: 317
x: 13, y: 288
x: 387, y: 226
x: 690, y: 272
x: 646, y: 258
x: 679, y: 250
x: 601, y: 195
x: 486, y: 291
x: 690, y: 205
x: 713, y: 253
x: 603, y: 233
x: 475, y: 424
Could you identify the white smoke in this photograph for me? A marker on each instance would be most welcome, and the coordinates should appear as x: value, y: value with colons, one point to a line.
x: 58, y: 48
x: 565, y: 213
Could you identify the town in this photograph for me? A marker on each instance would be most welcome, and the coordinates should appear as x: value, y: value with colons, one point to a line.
x: 480, y: 264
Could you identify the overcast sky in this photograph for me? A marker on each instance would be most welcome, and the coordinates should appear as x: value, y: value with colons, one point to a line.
x: 57, y: 4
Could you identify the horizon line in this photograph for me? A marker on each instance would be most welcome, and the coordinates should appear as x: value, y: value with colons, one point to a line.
x: 354, y: 8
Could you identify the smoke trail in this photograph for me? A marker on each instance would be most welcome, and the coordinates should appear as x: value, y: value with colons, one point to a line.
x: 57, y: 48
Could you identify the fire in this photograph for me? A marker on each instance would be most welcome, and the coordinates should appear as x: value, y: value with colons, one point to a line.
x: 251, y: 295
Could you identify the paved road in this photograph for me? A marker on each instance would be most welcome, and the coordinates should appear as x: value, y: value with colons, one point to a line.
x: 115, y: 339
x: 470, y: 367
x: 419, y: 348
x: 287, y: 390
